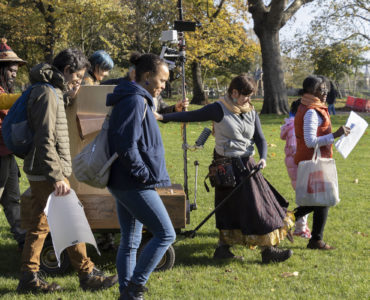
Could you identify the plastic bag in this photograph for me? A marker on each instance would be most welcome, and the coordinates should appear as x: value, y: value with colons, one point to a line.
x: 67, y: 222
x: 317, y: 182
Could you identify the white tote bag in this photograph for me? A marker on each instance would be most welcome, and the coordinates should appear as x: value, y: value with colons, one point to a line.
x: 317, y: 182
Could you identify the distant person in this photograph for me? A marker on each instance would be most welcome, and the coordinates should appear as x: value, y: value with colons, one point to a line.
x: 312, y: 126
x: 48, y: 166
x: 332, y: 97
x: 9, y: 172
x: 287, y: 134
x: 134, y: 134
x: 100, y: 65
x: 256, y: 214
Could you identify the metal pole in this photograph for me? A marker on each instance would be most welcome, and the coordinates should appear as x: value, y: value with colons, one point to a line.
x: 184, y: 145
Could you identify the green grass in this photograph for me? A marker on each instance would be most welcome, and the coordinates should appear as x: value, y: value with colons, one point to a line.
x: 339, y: 274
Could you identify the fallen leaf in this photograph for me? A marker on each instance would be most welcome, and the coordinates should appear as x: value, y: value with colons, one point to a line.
x: 361, y: 233
x: 273, y: 154
x: 289, y: 274
x: 272, y: 145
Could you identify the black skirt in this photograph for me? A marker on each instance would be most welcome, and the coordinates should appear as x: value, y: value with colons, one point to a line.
x: 255, y: 209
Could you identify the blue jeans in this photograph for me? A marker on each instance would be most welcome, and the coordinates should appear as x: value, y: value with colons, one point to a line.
x: 331, y: 109
x: 135, y: 208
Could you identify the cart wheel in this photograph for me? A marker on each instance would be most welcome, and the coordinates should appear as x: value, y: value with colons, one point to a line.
x: 167, y: 261
x: 49, y: 262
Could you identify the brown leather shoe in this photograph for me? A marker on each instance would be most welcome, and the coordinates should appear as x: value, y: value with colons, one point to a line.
x: 319, y: 245
x: 32, y: 282
x: 96, y: 280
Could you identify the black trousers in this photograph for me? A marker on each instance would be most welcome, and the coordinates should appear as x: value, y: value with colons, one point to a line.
x: 9, y: 195
x: 320, y: 214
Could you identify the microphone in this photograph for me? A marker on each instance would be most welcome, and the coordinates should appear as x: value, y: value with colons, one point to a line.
x: 203, y: 137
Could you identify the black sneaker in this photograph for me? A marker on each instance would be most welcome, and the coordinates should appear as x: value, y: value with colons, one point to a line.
x: 96, y: 280
x: 32, y: 282
x: 273, y: 254
x: 223, y: 252
x: 133, y: 292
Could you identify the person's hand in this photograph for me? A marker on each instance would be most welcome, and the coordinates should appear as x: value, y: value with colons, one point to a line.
x: 182, y: 104
x: 158, y: 116
x: 62, y: 188
x: 342, y: 130
x: 262, y: 163
x: 73, y: 90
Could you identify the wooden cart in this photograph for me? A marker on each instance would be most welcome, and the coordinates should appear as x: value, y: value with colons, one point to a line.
x: 85, y: 118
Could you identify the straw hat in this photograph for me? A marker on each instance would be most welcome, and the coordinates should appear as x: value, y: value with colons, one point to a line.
x: 8, y: 55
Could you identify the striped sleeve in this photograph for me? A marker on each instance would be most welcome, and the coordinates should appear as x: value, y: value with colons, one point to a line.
x: 311, y: 121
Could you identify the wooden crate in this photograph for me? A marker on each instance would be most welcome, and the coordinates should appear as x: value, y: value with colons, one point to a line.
x: 101, y: 211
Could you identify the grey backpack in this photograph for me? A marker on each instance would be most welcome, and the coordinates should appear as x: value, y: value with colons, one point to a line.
x: 92, y: 165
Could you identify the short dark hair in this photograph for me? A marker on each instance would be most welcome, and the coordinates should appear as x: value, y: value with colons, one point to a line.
x: 311, y: 84
x: 73, y: 58
x: 244, y: 84
x: 294, y: 106
x: 143, y: 63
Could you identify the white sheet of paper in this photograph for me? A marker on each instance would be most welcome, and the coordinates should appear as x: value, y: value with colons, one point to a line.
x: 346, y: 143
x: 67, y: 222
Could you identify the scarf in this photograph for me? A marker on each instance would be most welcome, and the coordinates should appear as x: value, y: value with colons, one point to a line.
x: 312, y: 101
x: 235, y: 108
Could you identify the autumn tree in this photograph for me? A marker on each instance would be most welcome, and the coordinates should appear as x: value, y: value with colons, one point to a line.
x: 219, y: 40
x: 40, y: 28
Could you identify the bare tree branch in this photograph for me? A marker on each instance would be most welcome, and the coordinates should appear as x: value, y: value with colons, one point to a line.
x: 292, y: 9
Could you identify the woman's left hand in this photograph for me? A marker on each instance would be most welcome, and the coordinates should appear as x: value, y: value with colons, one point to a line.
x: 262, y: 163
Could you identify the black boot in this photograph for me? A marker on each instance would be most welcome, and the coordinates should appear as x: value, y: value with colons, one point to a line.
x: 273, y: 254
x: 133, y: 292
x: 223, y: 252
x: 32, y: 282
x: 96, y: 280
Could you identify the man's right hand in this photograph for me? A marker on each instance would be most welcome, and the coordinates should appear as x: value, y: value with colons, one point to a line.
x: 61, y: 188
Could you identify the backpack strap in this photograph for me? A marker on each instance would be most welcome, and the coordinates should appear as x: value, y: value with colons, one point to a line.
x: 145, y: 109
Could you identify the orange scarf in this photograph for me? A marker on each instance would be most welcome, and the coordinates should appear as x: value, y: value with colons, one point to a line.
x: 235, y: 108
x: 312, y: 101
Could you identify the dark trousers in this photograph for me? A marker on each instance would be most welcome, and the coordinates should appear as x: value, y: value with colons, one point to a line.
x: 9, y: 195
x: 320, y: 214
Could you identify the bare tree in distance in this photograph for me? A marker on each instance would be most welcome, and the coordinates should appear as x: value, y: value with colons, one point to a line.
x: 269, y: 17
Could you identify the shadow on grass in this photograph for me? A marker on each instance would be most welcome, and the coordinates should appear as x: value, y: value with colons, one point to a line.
x: 10, y: 260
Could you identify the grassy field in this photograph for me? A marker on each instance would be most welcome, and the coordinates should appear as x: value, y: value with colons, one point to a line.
x: 339, y: 274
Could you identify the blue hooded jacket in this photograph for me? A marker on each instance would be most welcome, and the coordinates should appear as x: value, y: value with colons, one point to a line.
x: 137, y: 140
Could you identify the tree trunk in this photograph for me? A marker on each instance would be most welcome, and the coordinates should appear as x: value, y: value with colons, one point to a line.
x: 275, y: 95
x: 199, y: 96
